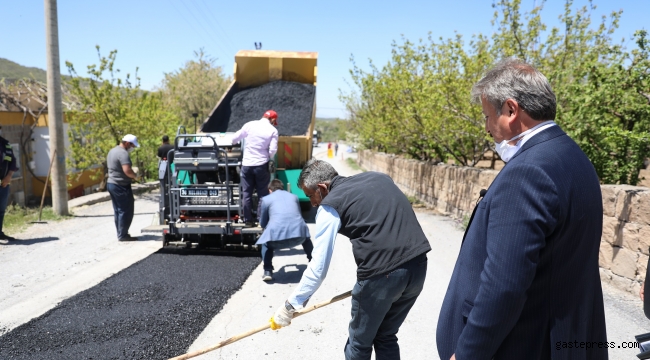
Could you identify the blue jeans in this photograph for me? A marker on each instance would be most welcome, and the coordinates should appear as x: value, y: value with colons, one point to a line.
x: 268, y: 247
x: 254, y: 178
x: 4, y: 200
x: 379, y: 306
x: 122, y: 198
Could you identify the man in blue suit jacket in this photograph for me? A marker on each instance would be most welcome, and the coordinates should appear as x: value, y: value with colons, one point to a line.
x: 526, y: 283
x: 283, y: 225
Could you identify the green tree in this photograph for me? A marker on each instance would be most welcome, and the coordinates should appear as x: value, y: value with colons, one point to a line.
x: 195, y: 88
x: 418, y: 104
x: 332, y: 130
x: 112, y: 107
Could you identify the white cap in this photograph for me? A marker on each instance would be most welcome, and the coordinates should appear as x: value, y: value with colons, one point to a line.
x: 132, y: 139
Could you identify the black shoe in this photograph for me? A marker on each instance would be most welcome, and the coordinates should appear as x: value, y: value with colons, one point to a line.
x: 268, y: 275
x: 249, y: 224
x: 7, y: 237
x: 128, y: 238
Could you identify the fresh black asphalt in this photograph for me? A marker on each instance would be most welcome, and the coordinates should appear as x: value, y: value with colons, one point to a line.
x: 293, y: 101
x: 154, y: 309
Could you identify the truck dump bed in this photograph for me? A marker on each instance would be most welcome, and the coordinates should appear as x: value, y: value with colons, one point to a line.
x: 280, y: 80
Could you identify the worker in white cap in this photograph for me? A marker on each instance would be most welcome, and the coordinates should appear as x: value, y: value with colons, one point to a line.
x: 120, y: 175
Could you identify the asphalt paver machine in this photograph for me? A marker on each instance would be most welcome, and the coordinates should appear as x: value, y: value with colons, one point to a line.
x: 200, y: 202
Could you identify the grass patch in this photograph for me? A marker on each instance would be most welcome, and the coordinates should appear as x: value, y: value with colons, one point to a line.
x: 18, y: 218
x: 353, y: 164
x: 465, y: 222
x: 415, y: 202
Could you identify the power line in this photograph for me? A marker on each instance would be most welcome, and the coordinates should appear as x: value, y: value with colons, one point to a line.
x: 184, y: 18
x: 201, y: 25
x: 209, y: 24
x: 216, y: 20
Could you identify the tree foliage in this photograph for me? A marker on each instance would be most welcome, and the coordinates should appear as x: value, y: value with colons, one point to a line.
x: 418, y: 104
x: 332, y: 130
x: 195, y: 88
x: 111, y: 107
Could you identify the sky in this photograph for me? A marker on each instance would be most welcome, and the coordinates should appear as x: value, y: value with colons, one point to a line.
x: 159, y: 36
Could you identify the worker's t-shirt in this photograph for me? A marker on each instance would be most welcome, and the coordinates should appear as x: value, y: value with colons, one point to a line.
x: 164, y: 149
x: 117, y: 157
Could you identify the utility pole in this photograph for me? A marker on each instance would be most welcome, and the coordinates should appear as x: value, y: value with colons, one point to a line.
x: 55, y: 111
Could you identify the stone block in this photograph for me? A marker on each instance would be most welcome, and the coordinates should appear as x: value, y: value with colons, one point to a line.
x: 621, y: 282
x: 623, y: 205
x: 610, y: 230
x: 630, y: 235
x: 640, y: 211
x: 624, y: 262
x: 609, y: 199
x: 635, y: 288
x: 641, y: 266
x: 605, y: 255
x: 644, y: 239
x: 605, y: 275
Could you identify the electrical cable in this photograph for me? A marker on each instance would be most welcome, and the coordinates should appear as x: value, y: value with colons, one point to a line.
x: 201, y: 25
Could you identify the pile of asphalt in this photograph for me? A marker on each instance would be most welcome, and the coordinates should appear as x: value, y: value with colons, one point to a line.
x: 292, y: 101
x: 154, y: 309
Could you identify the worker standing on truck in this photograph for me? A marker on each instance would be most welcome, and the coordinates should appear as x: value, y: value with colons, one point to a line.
x: 283, y: 226
x: 389, y: 248
x: 120, y: 174
x: 260, y: 146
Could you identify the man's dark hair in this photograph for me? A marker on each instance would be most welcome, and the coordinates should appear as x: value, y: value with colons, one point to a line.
x: 165, y: 138
x: 276, y: 185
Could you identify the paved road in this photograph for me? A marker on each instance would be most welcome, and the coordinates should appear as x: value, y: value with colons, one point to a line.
x: 59, y: 260
x: 322, y: 334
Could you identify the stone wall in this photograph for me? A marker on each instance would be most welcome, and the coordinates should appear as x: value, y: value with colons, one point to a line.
x: 453, y: 191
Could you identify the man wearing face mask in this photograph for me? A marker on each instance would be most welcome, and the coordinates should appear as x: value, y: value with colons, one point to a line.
x: 389, y: 248
x: 120, y: 176
x: 527, y: 278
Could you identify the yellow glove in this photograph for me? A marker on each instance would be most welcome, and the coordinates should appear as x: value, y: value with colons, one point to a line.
x: 274, y: 326
x: 282, y: 316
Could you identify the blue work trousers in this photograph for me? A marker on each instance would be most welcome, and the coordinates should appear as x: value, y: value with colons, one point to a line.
x: 4, y: 200
x: 379, y: 306
x: 254, y: 178
x: 123, y: 206
x: 269, y: 246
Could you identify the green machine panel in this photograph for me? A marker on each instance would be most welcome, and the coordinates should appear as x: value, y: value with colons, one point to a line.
x: 290, y: 180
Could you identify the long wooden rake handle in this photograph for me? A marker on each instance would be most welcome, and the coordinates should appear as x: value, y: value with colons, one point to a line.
x: 261, y: 328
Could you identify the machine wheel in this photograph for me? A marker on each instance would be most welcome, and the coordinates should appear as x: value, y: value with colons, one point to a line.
x: 166, y: 239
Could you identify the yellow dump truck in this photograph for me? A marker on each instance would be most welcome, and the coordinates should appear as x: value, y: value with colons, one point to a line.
x: 256, y: 69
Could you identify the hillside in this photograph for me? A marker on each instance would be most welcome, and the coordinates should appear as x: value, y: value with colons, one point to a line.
x: 10, y: 70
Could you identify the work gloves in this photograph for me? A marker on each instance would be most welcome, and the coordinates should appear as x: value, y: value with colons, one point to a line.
x: 282, y: 316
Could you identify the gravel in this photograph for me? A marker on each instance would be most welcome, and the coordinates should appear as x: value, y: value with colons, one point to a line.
x: 153, y: 309
x: 292, y: 101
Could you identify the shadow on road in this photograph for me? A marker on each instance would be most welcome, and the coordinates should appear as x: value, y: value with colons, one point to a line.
x: 288, y: 274
x: 31, y: 241
x: 107, y: 215
x: 149, y: 238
